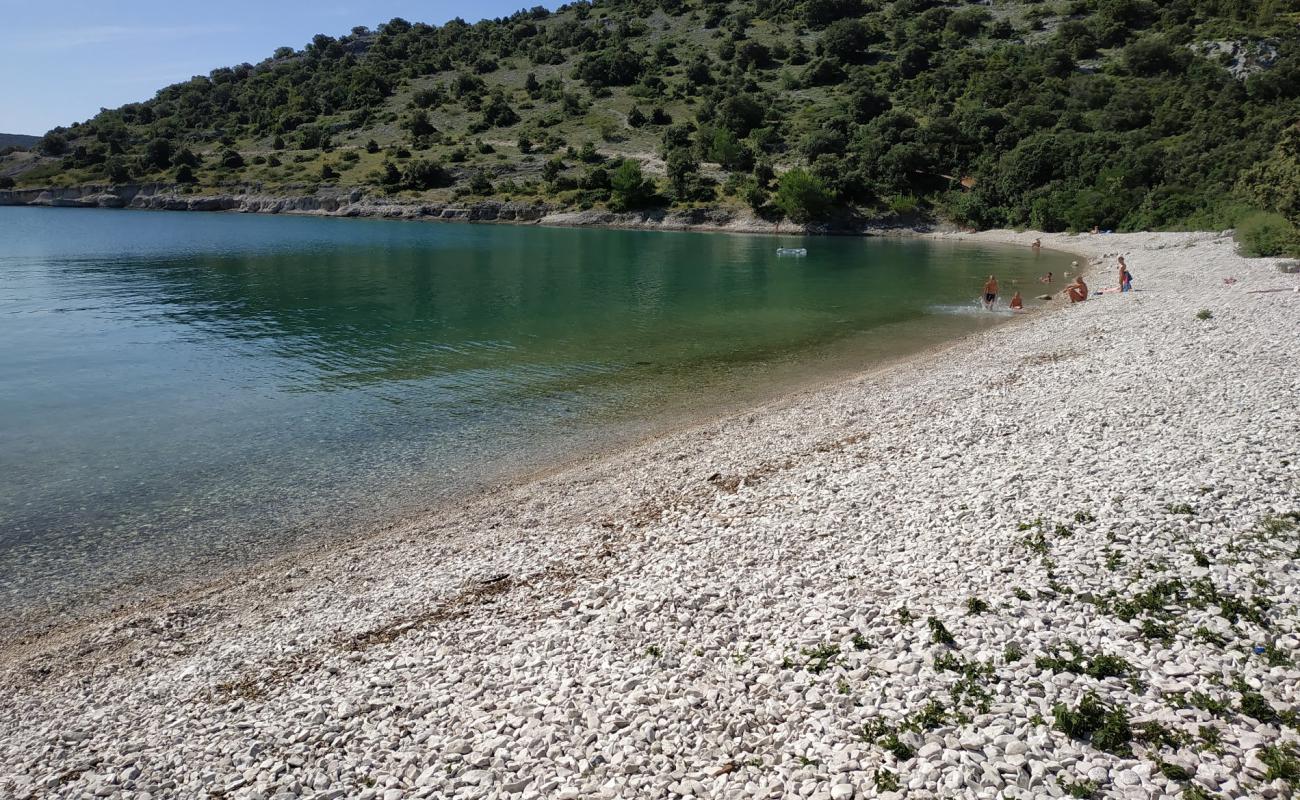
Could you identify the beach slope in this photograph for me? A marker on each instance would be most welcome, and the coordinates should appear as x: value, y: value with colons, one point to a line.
x: 1057, y: 554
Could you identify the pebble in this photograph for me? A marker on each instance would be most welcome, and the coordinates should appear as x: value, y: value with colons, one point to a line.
x: 630, y: 628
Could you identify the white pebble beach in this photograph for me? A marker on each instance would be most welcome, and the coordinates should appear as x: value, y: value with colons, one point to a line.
x: 912, y: 583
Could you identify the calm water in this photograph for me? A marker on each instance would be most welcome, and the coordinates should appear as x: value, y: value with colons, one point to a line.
x: 180, y: 390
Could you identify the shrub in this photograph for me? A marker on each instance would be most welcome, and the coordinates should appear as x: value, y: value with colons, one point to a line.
x: 6, y: 182
x: 801, y: 196
x: 424, y: 174
x: 1106, y: 727
x: 631, y: 189
x: 1267, y: 234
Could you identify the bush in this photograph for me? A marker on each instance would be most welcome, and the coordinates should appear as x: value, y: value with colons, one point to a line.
x: 52, y: 144
x: 801, y: 196
x: 1267, y: 234
x: 6, y: 182
x: 423, y: 174
x: 631, y: 189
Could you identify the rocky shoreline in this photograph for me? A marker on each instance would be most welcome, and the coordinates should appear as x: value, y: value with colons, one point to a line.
x: 1056, y: 557
x: 359, y: 204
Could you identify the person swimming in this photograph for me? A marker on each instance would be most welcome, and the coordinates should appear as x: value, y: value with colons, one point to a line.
x: 990, y: 292
x: 1046, y: 278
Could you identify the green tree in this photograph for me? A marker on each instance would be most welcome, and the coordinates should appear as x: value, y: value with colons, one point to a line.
x: 117, y: 170
x: 498, y: 113
x: 419, y: 125
x: 683, y: 174
x: 631, y: 189
x: 185, y: 174
x: 158, y: 153
x: 480, y: 183
x: 422, y: 174
x: 801, y: 196
x: 52, y: 144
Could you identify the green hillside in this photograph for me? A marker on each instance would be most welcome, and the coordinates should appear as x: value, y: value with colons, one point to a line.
x: 17, y: 140
x: 1121, y: 114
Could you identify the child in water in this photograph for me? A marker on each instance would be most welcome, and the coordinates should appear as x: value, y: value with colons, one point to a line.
x: 1017, y: 302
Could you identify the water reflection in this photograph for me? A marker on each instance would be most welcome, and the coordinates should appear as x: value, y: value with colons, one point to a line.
x: 179, y: 387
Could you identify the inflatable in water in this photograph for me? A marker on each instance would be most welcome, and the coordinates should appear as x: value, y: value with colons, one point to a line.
x: 792, y: 251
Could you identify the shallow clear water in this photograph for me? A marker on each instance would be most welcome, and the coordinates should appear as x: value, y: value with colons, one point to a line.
x: 180, y: 390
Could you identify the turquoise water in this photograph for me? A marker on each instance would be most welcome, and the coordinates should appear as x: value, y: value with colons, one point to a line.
x: 179, y: 391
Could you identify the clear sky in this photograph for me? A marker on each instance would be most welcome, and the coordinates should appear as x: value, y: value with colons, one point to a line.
x: 62, y: 61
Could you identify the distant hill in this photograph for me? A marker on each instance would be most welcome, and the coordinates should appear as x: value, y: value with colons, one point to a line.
x: 17, y: 140
x: 1065, y: 114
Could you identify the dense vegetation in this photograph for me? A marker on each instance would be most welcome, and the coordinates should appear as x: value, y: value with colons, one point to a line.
x: 1067, y: 114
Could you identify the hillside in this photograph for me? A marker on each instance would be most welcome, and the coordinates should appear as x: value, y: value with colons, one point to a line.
x: 17, y: 140
x: 1120, y: 114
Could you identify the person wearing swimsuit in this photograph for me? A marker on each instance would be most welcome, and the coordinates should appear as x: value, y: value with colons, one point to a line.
x: 1125, y: 277
x: 990, y: 292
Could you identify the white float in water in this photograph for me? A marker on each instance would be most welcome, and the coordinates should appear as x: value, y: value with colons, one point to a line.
x: 792, y: 251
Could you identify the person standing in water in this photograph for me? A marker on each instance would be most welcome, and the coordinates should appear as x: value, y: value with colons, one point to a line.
x: 1017, y: 302
x: 1037, y: 245
x: 990, y: 292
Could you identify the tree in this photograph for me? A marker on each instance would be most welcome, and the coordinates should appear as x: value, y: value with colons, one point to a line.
x: 423, y: 174
x: 740, y: 113
x: 52, y: 144
x: 820, y: 13
x: 846, y: 41
x: 419, y: 125
x: 185, y: 156
x: 635, y: 117
x: 532, y: 86
x: 552, y: 170
x: 724, y: 148
x: 6, y: 182
x: 498, y: 113
x: 801, y: 196
x: 231, y: 159
x: 372, y: 146
x: 595, y: 179
x: 630, y: 188
x: 185, y: 174
x: 683, y: 174
x: 328, y: 173
x: 480, y: 183
x: 158, y: 153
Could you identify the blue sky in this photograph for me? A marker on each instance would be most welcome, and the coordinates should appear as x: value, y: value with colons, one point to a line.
x: 63, y: 61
